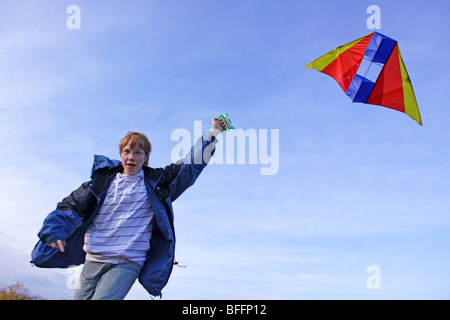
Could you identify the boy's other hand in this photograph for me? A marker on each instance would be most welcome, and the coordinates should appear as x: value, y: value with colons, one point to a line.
x: 58, y: 244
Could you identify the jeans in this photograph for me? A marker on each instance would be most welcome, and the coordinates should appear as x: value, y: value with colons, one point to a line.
x: 106, y: 281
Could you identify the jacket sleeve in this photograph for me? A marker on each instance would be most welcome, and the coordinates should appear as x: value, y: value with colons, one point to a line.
x: 67, y: 216
x: 59, y: 225
x: 182, y: 174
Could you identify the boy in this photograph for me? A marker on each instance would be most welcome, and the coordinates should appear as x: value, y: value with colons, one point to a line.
x: 120, y: 223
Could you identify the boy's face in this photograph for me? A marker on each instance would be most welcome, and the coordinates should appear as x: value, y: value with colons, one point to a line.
x: 132, y: 160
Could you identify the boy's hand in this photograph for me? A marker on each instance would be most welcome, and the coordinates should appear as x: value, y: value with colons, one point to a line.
x: 58, y: 244
x: 218, y: 126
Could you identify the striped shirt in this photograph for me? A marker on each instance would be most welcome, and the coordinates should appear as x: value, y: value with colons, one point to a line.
x: 121, y: 230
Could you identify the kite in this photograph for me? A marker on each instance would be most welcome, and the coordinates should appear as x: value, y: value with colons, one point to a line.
x: 371, y: 70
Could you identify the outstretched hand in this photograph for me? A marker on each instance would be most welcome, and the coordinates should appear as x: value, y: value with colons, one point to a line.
x: 218, y: 126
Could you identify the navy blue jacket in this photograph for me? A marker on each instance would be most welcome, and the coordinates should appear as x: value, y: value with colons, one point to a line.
x: 74, y: 214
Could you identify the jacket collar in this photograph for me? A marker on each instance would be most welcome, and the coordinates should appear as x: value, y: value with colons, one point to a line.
x: 103, y: 164
x: 153, y: 174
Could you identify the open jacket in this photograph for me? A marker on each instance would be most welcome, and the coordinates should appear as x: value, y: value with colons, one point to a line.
x: 74, y: 214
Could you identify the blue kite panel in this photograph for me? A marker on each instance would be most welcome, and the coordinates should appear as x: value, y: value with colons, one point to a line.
x: 365, y: 89
x: 384, y: 50
x: 379, y: 48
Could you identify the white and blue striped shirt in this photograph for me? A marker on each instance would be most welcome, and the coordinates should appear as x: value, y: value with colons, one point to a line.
x: 122, y: 229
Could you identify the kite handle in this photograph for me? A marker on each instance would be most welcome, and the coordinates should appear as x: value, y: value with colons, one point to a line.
x: 227, y: 121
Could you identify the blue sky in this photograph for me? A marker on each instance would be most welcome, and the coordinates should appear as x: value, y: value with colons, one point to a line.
x: 357, y: 185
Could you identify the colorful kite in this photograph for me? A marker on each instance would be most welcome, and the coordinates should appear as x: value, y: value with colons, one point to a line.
x: 371, y: 70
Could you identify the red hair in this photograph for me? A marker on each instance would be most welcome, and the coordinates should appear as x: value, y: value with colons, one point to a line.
x: 137, y: 140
